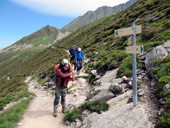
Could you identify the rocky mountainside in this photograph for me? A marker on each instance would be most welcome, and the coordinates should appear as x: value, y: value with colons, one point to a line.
x: 19, y: 52
x: 91, y: 16
x: 106, y: 52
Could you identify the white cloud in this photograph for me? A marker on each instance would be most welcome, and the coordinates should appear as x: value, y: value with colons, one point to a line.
x: 69, y: 8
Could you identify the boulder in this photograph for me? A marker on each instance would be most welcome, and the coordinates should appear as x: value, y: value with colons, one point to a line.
x: 156, y: 53
x: 119, y: 117
x: 167, y: 88
x: 151, y: 19
x: 118, y: 80
x: 108, y: 77
x: 104, y: 87
x: 115, y: 88
x: 103, y: 95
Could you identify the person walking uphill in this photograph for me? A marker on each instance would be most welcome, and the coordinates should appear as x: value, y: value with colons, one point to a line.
x: 63, y: 74
x: 79, y: 58
x: 72, y: 52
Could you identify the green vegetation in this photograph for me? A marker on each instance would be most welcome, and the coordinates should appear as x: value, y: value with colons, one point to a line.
x: 95, y: 106
x: 162, y: 75
x: 164, y: 121
x: 91, y: 106
x: 97, y: 40
x: 72, y: 115
x: 9, y: 118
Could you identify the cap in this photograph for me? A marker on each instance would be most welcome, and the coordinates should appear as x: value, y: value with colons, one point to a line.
x: 64, y: 61
x: 79, y: 49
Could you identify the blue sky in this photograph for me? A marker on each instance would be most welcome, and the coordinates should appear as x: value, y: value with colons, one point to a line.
x: 19, y: 18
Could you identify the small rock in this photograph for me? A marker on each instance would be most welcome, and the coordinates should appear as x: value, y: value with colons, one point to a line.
x: 67, y: 122
x: 19, y: 124
x: 125, y: 79
x: 118, y: 81
x: 98, y: 77
x: 130, y: 100
x: 167, y: 88
x: 94, y: 72
x: 85, y: 113
x: 141, y: 93
x: 115, y: 88
x: 78, y: 123
x: 159, y: 113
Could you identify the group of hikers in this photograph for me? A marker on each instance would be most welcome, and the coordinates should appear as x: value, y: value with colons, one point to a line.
x: 64, y: 71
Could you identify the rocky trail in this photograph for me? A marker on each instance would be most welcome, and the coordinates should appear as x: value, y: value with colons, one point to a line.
x: 121, y: 113
x: 40, y: 111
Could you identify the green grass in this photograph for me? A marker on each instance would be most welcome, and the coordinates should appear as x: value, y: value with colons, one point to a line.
x: 95, y: 106
x: 72, y: 115
x: 91, y: 106
x: 162, y: 75
x: 96, y: 37
x: 9, y: 118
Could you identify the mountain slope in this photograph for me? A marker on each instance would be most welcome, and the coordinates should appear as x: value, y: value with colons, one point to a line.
x: 97, y: 40
x: 18, y: 53
x: 91, y: 16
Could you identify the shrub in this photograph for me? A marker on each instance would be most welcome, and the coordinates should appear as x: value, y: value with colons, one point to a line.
x: 72, y: 115
x: 95, y: 106
x: 164, y: 121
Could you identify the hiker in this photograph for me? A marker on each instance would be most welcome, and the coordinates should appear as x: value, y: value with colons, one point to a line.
x: 72, y: 52
x: 62, y: 62
x: 79, y: 58
x: 63, y: 74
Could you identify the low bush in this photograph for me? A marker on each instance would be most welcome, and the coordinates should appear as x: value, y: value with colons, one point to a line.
x: 95, y: 106
x: 72, y: 115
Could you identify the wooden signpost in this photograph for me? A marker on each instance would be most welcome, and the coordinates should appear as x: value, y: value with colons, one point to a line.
x: 128, y: 31
x: 133, y: 30
x: 135, y: 49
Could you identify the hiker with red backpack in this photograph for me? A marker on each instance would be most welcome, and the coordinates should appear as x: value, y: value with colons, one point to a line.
x: 63, y: 73
x: 79, y: 58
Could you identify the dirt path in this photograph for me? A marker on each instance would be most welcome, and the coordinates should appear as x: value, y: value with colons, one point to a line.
x: 40, y: 111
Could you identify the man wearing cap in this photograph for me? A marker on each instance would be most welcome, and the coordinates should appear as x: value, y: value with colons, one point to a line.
x: 79, y: 58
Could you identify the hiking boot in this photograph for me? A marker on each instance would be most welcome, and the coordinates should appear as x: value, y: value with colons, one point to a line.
x: 64, y: 110
x: 55, y: 114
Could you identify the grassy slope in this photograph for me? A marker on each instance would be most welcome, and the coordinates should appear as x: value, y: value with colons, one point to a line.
x: 99, y: 36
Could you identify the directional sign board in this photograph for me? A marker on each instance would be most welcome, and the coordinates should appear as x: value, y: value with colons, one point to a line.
x: 128, y: 31
x: 135, y: 49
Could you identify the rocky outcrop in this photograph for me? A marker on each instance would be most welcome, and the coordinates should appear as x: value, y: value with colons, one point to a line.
x: 118, y: 117
x: 159, y: 52
x: 108, y: 77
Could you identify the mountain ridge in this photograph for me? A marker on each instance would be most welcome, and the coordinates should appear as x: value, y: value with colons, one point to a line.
x: 100, y: 12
